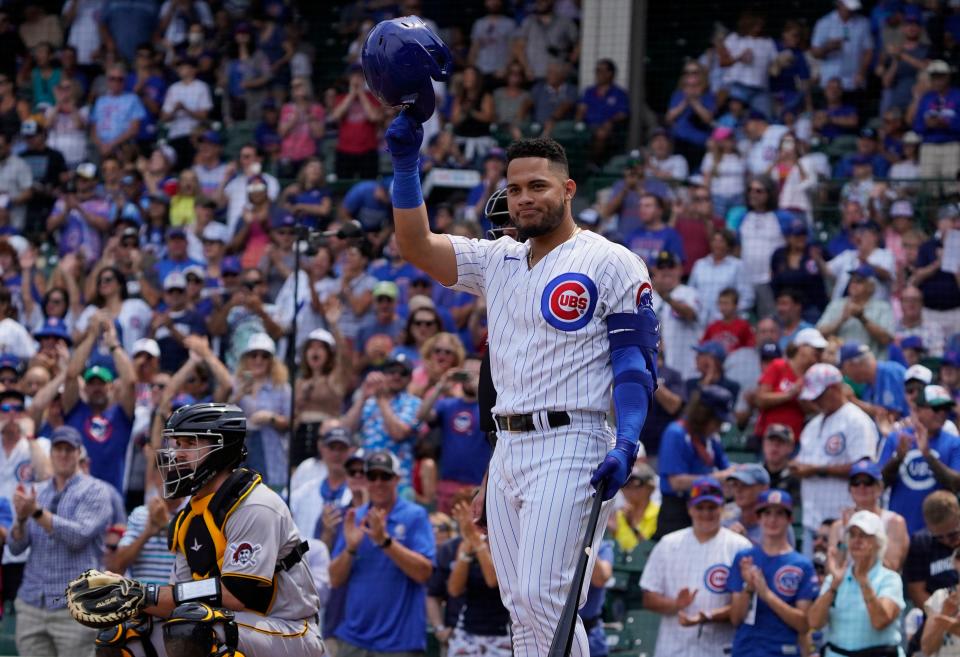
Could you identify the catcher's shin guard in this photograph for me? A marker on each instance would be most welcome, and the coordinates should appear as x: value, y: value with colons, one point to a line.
x: 114, y: 641
x: 191, y: 631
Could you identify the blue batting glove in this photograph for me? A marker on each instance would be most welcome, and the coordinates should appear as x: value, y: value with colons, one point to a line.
x: 404, y: 138
x: 615, y: 468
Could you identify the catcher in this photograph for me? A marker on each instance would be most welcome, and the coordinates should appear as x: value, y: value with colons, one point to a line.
x: 240, y: 586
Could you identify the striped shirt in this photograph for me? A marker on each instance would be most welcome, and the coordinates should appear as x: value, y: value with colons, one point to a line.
x: 81, y: 513
x: 155, y: 561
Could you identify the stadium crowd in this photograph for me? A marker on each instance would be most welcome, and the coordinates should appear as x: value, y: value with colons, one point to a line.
x: 148, y: 260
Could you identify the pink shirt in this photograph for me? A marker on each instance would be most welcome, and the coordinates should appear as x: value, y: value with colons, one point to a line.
x: 299, y: 143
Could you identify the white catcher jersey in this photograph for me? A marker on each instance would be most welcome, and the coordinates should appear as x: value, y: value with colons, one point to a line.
x: 547, y: 329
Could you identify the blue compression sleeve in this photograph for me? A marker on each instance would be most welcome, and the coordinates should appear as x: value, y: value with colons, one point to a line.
x: 632, y: 385
x: 404, y: 137
x: 406, y: 185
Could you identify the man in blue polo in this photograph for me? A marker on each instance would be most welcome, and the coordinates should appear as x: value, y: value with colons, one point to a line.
x: 883, y: 390
x: 105, y: 419
x: 384, y: 556
x: 922, y: 458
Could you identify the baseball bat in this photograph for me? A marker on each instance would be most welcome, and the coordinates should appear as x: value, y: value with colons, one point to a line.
x: 563, y: 637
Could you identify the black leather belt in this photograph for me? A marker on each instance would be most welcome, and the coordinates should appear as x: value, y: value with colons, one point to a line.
x: 524, y: 422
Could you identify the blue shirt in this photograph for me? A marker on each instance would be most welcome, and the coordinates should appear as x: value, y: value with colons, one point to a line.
x: 167, y: 266
x: 131, y: 22
x: 81, y: 513
x: 678, y: 456
x: 648, y: 243
x: 106, y: 437
x: 362, y: 204
x: 915, y: 480
x: 369, y: 622
x: 112, y: 114
x: 947, y: 107
x: 602, y: 108
x: 879, y: 164
x: 839, y: 243
x: 155, y: 88
x: 689, y: 127
x: 400, y: 273
x: 849, y: 625
x: 792, y: 578
x: 464, y: 450
x: 888, y: 390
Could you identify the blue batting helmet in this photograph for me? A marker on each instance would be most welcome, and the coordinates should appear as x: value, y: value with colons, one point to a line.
x: 398, y: 58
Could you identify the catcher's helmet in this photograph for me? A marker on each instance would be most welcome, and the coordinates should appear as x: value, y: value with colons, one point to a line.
x: 398, y: 58
x: 499, y: 216
x: 223, y: 427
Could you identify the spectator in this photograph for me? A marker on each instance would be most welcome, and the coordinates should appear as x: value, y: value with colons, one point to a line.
x: 836, y: 438
x: 880, y: 382
x: 748, y: 482
x: 761, y: 234
x: 936, y: 119
x: 125, y: 25
x: 512, y: 103
x: 852, y: 214
x: 591, y: 611
x: 545, y: 37
x: 781, y: 605
x: 356, y: 290
x: 357, y: 112
x: 262, y: 390
x: 66, y: 122
x: 723, y: 170
x: 554, y: 98
x: 748, y: 56
x: 914, y: 322
x: 423, y: 322
x: 764, y: 144
x: 177, y: 319
x: 319, y: 502
x: 49, y: 171
x: 843, y: 43
x: 868, y: 251
x: 308, y: 198
x: 941, y: 290
x: 860, y: 604
x: 690, y: 449
x: 472, y: 113
x: 866, y: 490
x: 63, y: 521
x: 838, y: 117
x: 796, y: 177
x: 388, y: 557
x: 490, y: 38
x: 654, y: 236
x: 247, y: 72
x: 678, y: 307
x: 715, y: 274
x: 860, y: 316
x: 777, y: 449
x: 385, y: 319
x: 868, y: 152
x: 664, y: 408
x: 143, y: 547
x: 931, y: 549
x: 921, y: 458
x: 795, y: 266
x: 906, y: 168
x: 940, y: 610
x: 709, y: 363
x: 301, y: 126
x: 790, y: 316
x: 900, y: 64
x: 790, y: 71
x: 16, y: 184
x: 781, y: 383
x: 636, y: 521
x: 696, y: 223
x: 677, y: 582
x: 690, y: 114
x: 368, y: 201
x: 116, y: 116
x: 730, y: 330
x: 626, y: 195
x: 605, y: 108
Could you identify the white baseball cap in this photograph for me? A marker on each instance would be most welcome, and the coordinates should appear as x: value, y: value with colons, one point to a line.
x: 868, y: 522
x: 146, y: 346
x: 324, y: 336
x: 810, y: 337
x: 901, y: 208
x: 216, y: 232
x: 260, y: 342
x: 852, y: 5
x: 817, y: 379
x: 175, y: 280
x: 918, y: 373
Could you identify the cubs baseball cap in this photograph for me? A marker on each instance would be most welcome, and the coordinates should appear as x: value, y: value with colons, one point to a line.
x: 913, y: 342
x: 11, y: 362
x: 951, y: 359
x: 751, y: 474
x: 863, y: 271
x: 901, y: 208
x: 212, y: 137
x: 338, y: 435
x: 936, y: 397
x: 810, y: 337
x: 719, y: 400
x: 260, y: 342
x: 712, y: 348
x: 397, y: 361
x: 54, y: 327
x: 98, y: 372
x: 756, y: 115
x: 796, y: 227
x: 386, y: 289
x: 66, y: 434
x: 918, y: 373
x: 773, y: 498
x: 868, y: 522
x: 231, y: 265
x: 175, y: 280
x: 777, y: 431
x: 282, y: 220
x: 358, y: 456
x: 852, y: 351
x: 817, y: 379
x: 176, y: 232
x: 215, y: 232
x: 382, y: 460
x: 866, y: 467
x: 147, y: 346
x: 705, y: 489
x: 769, y: 351
x: 322, y: 335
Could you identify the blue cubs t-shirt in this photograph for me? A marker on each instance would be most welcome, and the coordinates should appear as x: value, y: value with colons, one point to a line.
x: 678, y: 456
x: 792, y: 578
x: 888, y: 390
x: 915, y: 479
x: 464, y: 450
x: 105, y: 436
x: 649, y: 243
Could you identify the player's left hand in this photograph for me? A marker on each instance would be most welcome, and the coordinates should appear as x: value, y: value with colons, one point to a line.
x: 615, y: 468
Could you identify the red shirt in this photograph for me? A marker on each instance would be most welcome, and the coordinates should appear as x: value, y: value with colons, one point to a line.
x: 357, y: 134
x: 696, y: 241
x: 732, y: 334
x: 780, y: 377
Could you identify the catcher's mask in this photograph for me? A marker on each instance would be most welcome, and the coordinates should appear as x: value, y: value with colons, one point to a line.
x: 498, y: 214
x: 199, y: 441
x: 113, y: 641
x: 191, y: 631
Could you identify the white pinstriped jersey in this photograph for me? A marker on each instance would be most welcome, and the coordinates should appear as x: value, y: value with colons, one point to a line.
x: 547, y: 329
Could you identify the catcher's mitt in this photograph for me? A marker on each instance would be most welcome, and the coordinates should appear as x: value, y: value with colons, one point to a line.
x: 100, y: 600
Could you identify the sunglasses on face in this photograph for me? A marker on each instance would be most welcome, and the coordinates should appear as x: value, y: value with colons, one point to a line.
x: 194, y: 279
x: 256, y: 355
x: 130, y: 243
x: 440, y: 351
x: 395, y: 371
x: 355, y: 472
x: 251, y: 285
x: 854, y: 483
x: 11, y: 408
x: 107, y: 279
x: 158, y: 386
x: 379, y: 476
x: 176, y: 290
x: 384, y: 299
x: 424, y: 322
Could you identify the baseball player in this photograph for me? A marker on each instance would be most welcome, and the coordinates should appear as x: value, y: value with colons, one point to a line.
x: 239, y: 579
x: 568, y: 313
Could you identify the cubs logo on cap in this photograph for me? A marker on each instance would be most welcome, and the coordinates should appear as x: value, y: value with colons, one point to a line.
x: 568, y: 302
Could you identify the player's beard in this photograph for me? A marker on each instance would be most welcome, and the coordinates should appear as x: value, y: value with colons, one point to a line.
x: 551, y: 218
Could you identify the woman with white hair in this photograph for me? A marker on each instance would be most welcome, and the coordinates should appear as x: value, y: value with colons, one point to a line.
x: 860, y: 603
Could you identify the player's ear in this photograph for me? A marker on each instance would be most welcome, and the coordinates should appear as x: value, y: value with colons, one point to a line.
x: 570, y: 189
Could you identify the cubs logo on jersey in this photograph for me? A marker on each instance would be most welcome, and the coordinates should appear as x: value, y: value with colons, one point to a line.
x: 715, y: 578
x: 645, y: 295
x: 463, y: 422
x: 915, y: 472
x: 99, y: 428
x: 787, y: 580
x: 24, y: 471
x: 569, y: 301
x: 835, y: 444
